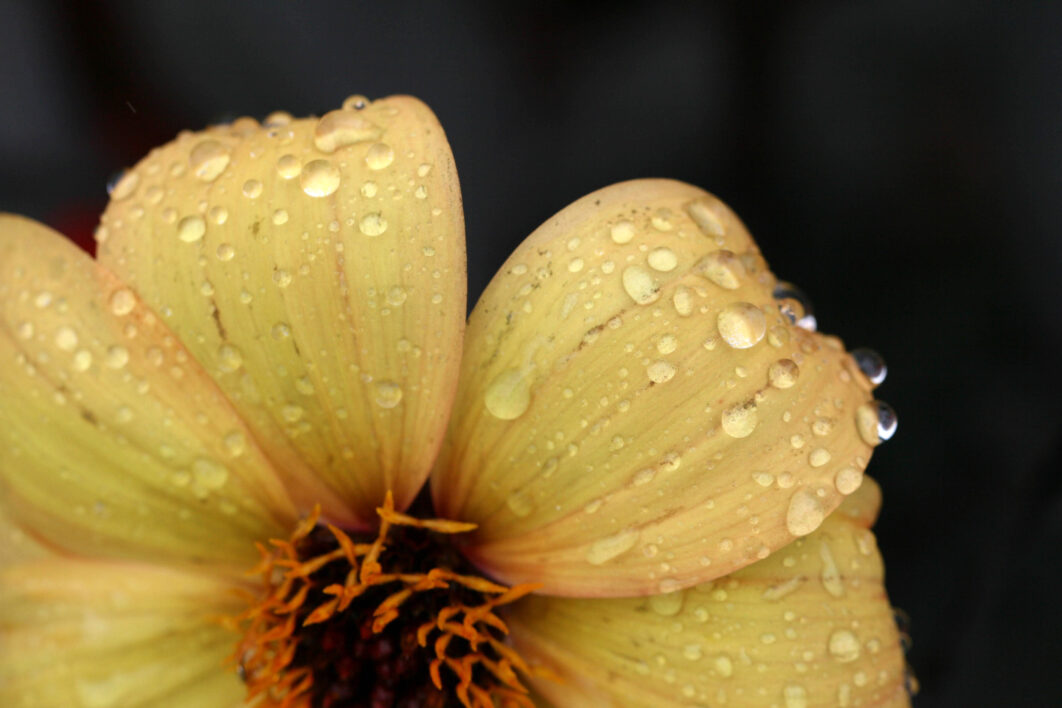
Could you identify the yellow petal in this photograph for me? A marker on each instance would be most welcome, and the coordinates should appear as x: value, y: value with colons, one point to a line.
x: 317, y: 270
x: 94, y: 634
x: 113, y: 442
x: 17, y: 545
x: 636, y: 412
x: 809, y: 626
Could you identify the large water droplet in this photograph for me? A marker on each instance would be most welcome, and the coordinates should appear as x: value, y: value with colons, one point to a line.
x: 288, y: 166
x: 742, y: 325
x: 388, y: 394
x: 805, y: 512
x: 722, y: 268
x: 610, y: 547
x: 783, y: 373
x: 843, y: 646
x: 208, y: 159
x: 876, y: 421
x: 508, y: 395
x: 871, y: 364
x: 740, y: 420
x: 122, y: 302
x: 337, y: 129
x: 662, y: 259
x: 640, y: 285
x: 319, y: 178
x: 795, y: 305
x: 373, y: 224
x: 191, y: 228
x: 379, y: 156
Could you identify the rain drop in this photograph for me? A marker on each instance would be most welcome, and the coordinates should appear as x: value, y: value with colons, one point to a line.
x: 606, y: 549
x: 795, y: 305
x: 209, y: 474
x: 388, y: 394
x: 805, y: 513
x: 379, y: 156
x: 208, y: 159
x: 337, y: 129
x: 288, y: 166
x: 740, y: 420
x: 783, y: 373
x: 876, y: 421
x: 508, y: 395
x: 722, y: 268
x: 640, y: 285
x: 191, y: 228
x: 847, y: 480
x: 662, y: 259
x: 373, y: 224
x: 871, y: 364
x: 252, y: 189
x: 843, y: 646
x: 660, y: 372
x: 622, y: 232
x: 742, y: 325
x: 122, y: 302
x: 319, y: 178
x: 66, y: 339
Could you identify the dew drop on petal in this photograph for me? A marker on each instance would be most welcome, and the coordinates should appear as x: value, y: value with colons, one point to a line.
x: 662, y: 259
x: 229, y: 358
x: 805, y: 513
x: 722, y: 268
x: 252, y: 189
x: 848, y: 479
x: 795, y: 305
x: 622, y: 232
x: 876, y: 421
x: 122, y: 302
x: 191, y: 228
x: 667, y: 604
x: 209, y: 474
x: 661, y: 371
x: 288, y: 166
x: 319, y: 178
x: 208, y: 159
x: 640, y: 285
x: 117, y: 357
x: 373, y: 224
x: 742, y: 325
x: 379, y: 156
x: 740, y: 420
x: 66, y: 339
x: 843, y: 646
x: 509, y: 395
x: 387, y: 394
x: 226, y: 252
x: 337, y: 129
x: 610, y: 547
x: 783, y: 373
x: 871, y: 364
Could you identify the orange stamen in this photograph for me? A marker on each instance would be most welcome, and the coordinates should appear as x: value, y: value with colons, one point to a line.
x: 271, y: 626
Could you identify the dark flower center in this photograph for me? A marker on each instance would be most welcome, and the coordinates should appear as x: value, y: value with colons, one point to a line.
x: 396, y: 618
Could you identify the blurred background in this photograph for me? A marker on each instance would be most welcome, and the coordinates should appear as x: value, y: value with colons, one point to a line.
x: 901, y: 161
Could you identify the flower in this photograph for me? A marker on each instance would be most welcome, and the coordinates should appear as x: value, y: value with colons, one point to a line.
x: 641, y: 433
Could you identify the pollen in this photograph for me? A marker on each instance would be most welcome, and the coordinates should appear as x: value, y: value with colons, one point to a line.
x: 395, y: 619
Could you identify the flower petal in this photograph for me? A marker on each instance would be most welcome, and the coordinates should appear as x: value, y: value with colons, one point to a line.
x: 637, y: 413
x: 808, y: 626
x: 113, y: 442
x: 316, y: 268
x: 95, y: 634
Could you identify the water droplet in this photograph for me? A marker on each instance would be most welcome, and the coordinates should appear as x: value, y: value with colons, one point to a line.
x: 683, y: 301
x: 795, y: 305
x: 692, y: 652
x: 740, y: 420
x: 622, y: 232
x: 661, y: 220
x: 520, y: 503
x: 704, y: 216
x: 783, y: 373
x: 606, y: 549
x: 292, y: 413
x: 723, y: 666
x: 848, y: 479
x: 819, y: 457
x: 26, y: 330
x: 282, y: 278
x: 288, y: 166
x: 805, y: 512
x: 843, y: 646
x: 388, y: 394
x: 667, y: 344
x: 795, y: 696
x: 337, y: 129
x: 122, y: 302
x: 660, y: 371
x: 209, y: 474
x: 124, y: 186
x: 252, y: 189
x: 82, y: 360
x: 722, y: 268
x: 640, y: 285
x: 191, y: 228
x: 219, y: 215
x: 379, y: 156
x: 508, y: 395
x: 319, y: 178
x: 229, y: 358
x: 871, y: 364
x: 667, y: 604
x: 396, y: 296
x: 280, y: 217
x: 281, y: 330
x: 373, y: 224
x: 117, y: 357
x: 742, y: 325
x: 66, y: 339
x: 876, y: 421
x: 226, y: 252
x: 208, y: 159
x: 662, y: 259
x: 355, y: 102
x: 235, y: 443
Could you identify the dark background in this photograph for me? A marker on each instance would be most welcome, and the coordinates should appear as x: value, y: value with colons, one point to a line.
x: 899, y: 160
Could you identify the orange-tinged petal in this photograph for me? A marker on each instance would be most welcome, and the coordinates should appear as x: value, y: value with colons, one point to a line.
x: 808, y: 626
x: 113, y: 441
x: 85, y: 633
x: 637, y: 413
x: 317, y: 270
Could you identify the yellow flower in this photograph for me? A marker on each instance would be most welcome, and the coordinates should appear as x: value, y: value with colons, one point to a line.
x: 638, y: 430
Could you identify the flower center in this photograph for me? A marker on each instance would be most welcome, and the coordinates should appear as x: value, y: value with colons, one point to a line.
x: 392, y: 619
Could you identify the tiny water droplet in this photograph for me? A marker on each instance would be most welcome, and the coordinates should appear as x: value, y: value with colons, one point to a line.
x: 388, y: 394
x: 373, y: 224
